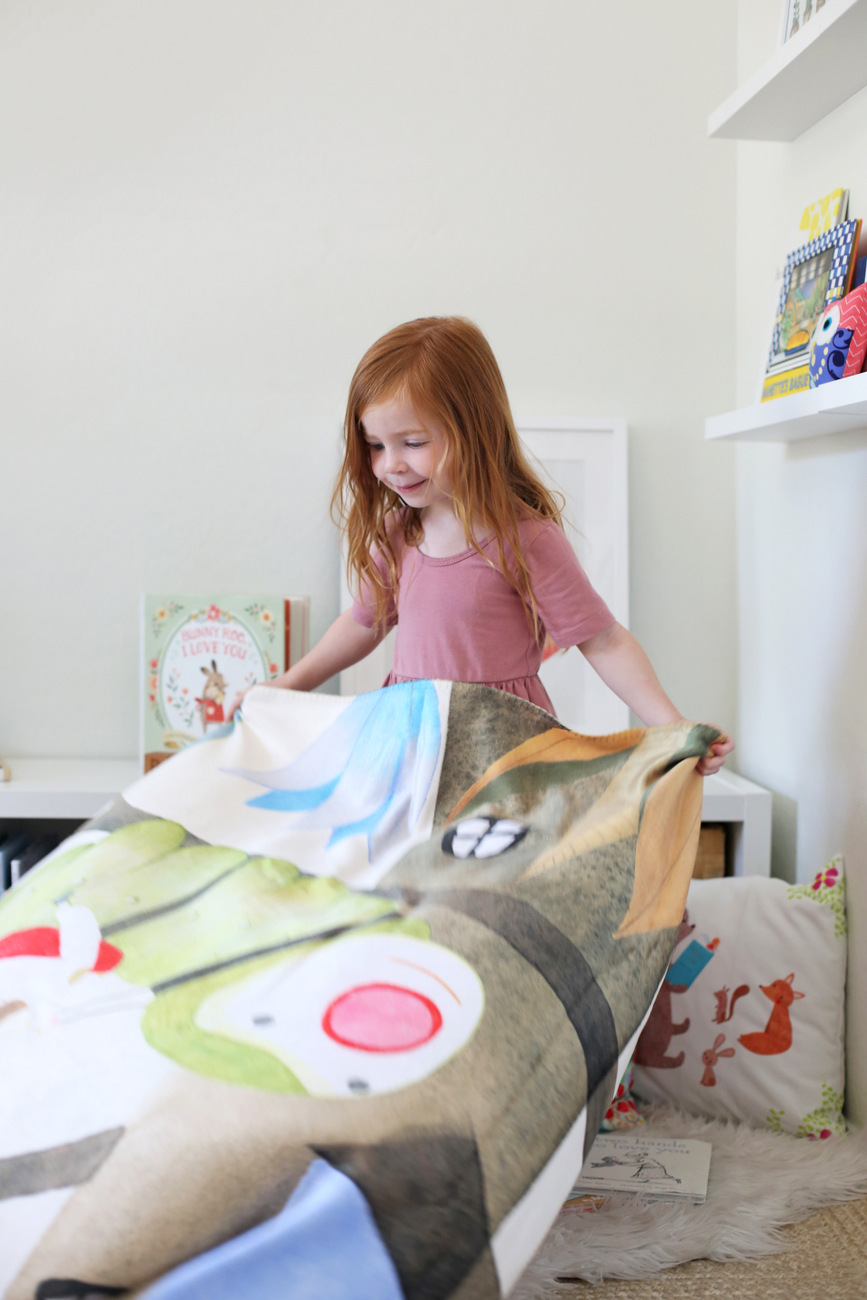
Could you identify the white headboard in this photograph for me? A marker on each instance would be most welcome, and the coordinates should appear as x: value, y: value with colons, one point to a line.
x: 586, y: 461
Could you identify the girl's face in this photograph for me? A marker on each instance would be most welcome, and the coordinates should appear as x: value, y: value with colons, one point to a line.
x: 405, y: 454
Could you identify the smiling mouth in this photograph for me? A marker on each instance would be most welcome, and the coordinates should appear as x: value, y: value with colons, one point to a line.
x: 410, y: 487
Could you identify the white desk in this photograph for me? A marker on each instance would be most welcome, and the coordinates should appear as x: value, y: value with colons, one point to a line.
x: 63, y: 787
x: 67, y: 788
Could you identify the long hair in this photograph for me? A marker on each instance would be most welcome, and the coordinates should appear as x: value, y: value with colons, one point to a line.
x: 445, y: 367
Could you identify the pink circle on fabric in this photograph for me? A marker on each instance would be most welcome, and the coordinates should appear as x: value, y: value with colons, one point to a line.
x: 382, y: 1018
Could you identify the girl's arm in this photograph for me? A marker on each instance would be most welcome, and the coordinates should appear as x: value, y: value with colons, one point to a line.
x: 623, y: 666
x: 344, y: 644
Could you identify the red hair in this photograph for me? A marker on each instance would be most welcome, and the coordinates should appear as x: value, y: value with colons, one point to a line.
x: 445, y: 367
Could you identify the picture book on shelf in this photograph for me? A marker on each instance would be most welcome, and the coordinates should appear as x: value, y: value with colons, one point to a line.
x: 817, y: 274
x: 198, y: 652
x: 657, y: 1168
x: 797, y: 15
x: 823, y: 215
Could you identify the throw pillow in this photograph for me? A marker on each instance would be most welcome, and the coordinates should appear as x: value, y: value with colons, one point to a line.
x: 749, y: 1021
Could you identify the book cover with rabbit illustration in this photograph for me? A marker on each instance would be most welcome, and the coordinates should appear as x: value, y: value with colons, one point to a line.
x: 198, y: 652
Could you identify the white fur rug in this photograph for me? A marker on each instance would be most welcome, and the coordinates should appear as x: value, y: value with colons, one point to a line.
x: 759, y: 1182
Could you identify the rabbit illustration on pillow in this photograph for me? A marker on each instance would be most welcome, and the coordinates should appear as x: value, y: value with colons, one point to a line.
x: 710, y: 1058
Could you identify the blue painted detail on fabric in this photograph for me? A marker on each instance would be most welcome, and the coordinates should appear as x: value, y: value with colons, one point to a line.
x: 368, y: 773
x: 323, y: 1245
x: 294, y: 800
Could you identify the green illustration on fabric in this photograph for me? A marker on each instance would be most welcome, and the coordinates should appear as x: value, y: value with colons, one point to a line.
x: 170, y: 1023
x: 825, y: 1119
x: 774, y: 1120
x: 109, y: 863
x: 535, y: 779
x: 827, y: 887
x: 186, y: 922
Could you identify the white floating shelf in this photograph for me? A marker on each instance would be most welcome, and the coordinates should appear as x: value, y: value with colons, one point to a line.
x: 837, y: 407
x: 64, y: 787
x: 809, y: 76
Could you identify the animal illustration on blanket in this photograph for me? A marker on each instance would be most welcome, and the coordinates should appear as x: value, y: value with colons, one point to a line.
x: 369, y: 772
x: 395, y: 992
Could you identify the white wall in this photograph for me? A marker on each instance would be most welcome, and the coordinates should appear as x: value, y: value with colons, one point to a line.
x: 802, y: 535
x: 209, y: 208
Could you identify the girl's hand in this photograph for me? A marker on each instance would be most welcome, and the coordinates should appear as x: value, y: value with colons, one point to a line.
x: 236, y: 704
x: 715, y: 756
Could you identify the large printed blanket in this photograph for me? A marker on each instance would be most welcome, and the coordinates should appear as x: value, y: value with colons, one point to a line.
x: 331, y: 1004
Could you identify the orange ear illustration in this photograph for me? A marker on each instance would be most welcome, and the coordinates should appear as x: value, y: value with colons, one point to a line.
x: 665, y: 851
x: 515, y: 770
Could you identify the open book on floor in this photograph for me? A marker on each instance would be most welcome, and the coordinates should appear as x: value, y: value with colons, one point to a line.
x: 657, y: 1168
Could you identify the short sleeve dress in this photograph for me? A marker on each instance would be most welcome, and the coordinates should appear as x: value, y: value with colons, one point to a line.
x: 459, y: 619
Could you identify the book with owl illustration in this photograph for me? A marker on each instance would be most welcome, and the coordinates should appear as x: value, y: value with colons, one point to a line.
x: 198, y: 652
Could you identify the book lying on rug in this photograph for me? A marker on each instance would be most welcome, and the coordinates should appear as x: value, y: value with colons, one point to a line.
x: 665, y: 1169
x: 198, y: 652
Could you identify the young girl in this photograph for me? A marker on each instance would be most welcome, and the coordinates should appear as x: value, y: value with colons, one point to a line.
x: 453, y: 538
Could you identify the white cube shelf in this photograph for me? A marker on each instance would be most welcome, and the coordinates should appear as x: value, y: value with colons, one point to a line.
x: 746, y: 808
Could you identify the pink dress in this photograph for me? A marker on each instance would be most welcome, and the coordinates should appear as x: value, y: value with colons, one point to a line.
x: 459, y: 620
